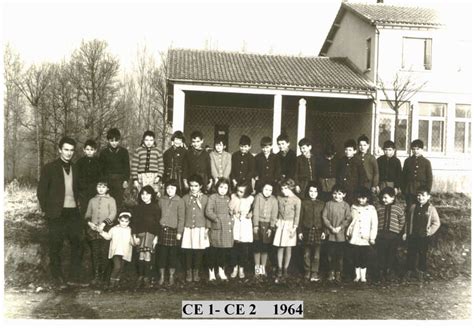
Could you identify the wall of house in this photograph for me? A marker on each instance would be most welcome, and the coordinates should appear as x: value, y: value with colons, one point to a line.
x: 448, y: 82
x: 451, y: 59
x: 350, y: 41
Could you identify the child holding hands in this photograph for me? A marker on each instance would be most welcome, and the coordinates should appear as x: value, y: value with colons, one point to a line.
x: 101, y: 210
x: 120, y: 249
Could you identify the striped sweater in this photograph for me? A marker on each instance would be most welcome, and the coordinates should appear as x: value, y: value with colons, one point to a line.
x: 147, y: 160
x: 391, y: 218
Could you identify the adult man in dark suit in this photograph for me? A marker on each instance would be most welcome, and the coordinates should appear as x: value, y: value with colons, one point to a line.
x: 58, y: 194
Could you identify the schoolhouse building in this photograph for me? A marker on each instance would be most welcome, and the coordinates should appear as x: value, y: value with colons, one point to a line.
x: 337, y: 95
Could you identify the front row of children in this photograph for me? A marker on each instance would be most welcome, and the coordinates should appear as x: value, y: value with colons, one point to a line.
x: 225, y: 225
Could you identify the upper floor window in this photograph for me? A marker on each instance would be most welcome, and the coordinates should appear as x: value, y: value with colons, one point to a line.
x: 368, y: 48
x: 462, y: 129
x: 431, y: 123
x: 417, y: 53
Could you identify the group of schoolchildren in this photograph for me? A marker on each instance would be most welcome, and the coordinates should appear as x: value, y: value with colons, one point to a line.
x: 215, y: 207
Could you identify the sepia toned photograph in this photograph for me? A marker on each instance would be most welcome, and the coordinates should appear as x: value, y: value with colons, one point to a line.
x: 237, y: 160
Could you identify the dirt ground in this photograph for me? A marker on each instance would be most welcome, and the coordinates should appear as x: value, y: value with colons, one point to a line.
x: 414, y: 300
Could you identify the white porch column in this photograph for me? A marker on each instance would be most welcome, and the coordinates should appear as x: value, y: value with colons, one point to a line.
x: 178, y: 109
x: 374, y: 134
x: 301, y: 122
x: 277, y: 100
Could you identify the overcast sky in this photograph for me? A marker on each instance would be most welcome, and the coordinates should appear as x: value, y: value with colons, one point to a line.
x: 50, y: 31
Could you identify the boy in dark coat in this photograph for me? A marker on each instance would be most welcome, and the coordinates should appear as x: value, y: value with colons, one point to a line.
x: 115, y: 163
x: 89, y: 173
x: 390, y: 168
x: 350, y: 173
x: 197, y: 161
x: 173, y: 160
x: 421, y: 223
x: 287, y: 157
x: 243, y: 164
x: 327, y: 169
x: 417, y: 173
x: 305, y: 167
x: 267, y: 166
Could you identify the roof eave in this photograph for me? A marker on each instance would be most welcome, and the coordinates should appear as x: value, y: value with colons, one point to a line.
x: 367, y: 91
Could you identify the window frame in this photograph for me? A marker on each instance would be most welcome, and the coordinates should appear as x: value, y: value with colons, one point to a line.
x: 467, y: 127
x: 368, y: 54
x: 389, y: 112
x: 431, y: 119
x: 427, y: 54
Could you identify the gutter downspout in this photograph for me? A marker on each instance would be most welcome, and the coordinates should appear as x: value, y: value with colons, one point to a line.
x: 375, y: 136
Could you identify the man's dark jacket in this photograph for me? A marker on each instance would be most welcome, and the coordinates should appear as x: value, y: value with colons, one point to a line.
x: 51, y: 188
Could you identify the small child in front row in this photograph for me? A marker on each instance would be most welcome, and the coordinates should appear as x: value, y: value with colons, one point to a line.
x: 240, y: 206
x: 101, y: 210
x: 289, y: 208
x: 147, y: 215
x: 422, y: 222
x: 310, y: 230
x: 194, y: 229
x: 264, y: 217
x: 362, y: 232
x: 121, y: 244
x: 336, y: 218
x: 172, y: 214
x: 221, y: 233
x: 391, y: 218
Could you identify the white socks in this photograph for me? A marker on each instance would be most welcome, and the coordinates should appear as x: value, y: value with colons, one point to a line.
x: 212, y: 275
x: 363, y: 271
x: 357, y: 272
x: 235, y: 272
x: 222, y: 275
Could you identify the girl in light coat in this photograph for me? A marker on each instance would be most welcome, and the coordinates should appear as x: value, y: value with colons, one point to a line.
x: 362, y: 232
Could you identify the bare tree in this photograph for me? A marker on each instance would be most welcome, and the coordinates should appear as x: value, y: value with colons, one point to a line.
x: 399, y: 92
x: 93, y: 71
x: 34, y: 85
x: 14, y: 109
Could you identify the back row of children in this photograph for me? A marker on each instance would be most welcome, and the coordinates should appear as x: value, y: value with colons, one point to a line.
x: 196, y: 170
x: 354, y: 169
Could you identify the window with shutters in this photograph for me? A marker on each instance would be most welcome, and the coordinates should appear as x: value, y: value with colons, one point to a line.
x: 417, y: 54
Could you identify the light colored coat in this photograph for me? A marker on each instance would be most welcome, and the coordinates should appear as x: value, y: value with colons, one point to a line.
x: 363, y: 229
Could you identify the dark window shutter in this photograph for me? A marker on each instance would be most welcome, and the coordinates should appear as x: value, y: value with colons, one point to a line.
x: 428, y: 54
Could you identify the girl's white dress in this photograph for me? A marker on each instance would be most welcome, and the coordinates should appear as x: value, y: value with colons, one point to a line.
x: 121, y: 242
x: 195, y: 238
x: 240, y: 209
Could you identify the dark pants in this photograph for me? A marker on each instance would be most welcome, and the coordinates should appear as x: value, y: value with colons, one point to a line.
x: 335, y: 255
x: 387, y: 252
x: 311, y: 257
x: 99, y: 255
x: 115, y: 184
x: 67, y: 226
x: 360, y: 255
x: 410, y: 199
x: 239, y: 254
x: 417, y: 247
x: 193, y: 258
x: 167, y: 256
x: 218, y: 257
x: 118, y: 262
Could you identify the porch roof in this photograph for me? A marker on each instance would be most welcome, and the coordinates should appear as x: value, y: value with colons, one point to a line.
x: 266, y: 71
